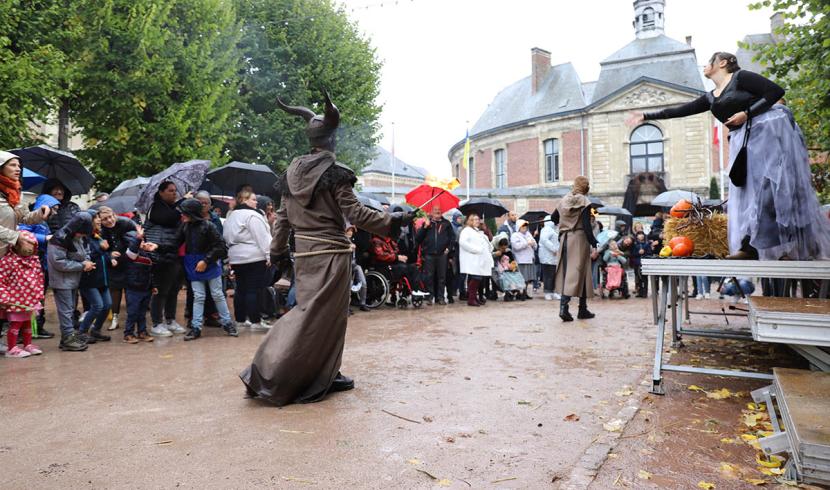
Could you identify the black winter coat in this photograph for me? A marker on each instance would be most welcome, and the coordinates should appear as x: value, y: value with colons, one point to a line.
x: 98, y: 277
x: 436, y: 239
x: 201, y: 237
x: 138, y: 264
x: 162, y: 227
x: 67, y: 208
x: 117, y: 239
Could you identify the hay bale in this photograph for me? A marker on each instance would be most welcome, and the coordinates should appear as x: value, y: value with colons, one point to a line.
x: 709, y: 237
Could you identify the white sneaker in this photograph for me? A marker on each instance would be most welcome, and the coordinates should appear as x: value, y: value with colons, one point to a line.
x: 114, y: 324
x: 247, y: 323
x: 548, y: 297
x: 160, y: 331
x: 707, y: 296
x: 263, y: 325
x: 82, y: 316
x: 174, y: 327
x: 556, y: 296
x: 699, y: 296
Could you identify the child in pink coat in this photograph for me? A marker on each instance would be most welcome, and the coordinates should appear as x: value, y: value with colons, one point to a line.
x: 21, y: 293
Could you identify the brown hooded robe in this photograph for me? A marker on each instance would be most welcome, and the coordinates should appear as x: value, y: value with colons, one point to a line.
x: 573, y: 270
x: 300, y: 356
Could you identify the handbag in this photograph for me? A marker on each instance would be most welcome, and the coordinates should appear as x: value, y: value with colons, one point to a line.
x: 737, y: 173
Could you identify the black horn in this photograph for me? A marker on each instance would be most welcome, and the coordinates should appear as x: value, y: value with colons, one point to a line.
x: 304, y: 112
x: 332, y: 114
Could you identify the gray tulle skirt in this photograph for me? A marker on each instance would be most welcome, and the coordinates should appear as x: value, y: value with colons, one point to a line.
x: 777, y: 209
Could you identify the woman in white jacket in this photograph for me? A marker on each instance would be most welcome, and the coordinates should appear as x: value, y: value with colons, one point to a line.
x: 475, y: 256
x: 248, y: 236
x: 548, y: 255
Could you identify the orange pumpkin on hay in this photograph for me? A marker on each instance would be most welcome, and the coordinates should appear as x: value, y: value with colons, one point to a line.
x: 681, y: 209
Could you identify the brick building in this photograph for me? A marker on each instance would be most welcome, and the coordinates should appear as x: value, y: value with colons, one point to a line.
x: 377, y: 177
x: 542, y: 131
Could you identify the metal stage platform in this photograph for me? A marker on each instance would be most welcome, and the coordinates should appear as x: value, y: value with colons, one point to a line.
x: 673, y: 296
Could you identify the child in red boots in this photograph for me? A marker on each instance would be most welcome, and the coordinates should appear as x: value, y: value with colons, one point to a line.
x: 21, y: 294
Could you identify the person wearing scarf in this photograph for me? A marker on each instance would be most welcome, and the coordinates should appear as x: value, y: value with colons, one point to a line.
x: 12, y: 212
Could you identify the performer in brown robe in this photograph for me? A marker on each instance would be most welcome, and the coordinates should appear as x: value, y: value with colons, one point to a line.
x: 576, y: 238
x: 299, y: 359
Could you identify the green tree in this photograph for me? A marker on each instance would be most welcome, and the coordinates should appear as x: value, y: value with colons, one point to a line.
x: 714, y: 189
x: 800, y: 62
x: 30, y: 70
x: 295, y: 49
x: 154, y: 82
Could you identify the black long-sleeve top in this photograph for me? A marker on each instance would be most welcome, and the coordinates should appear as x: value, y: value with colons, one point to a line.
x: 746, y: 91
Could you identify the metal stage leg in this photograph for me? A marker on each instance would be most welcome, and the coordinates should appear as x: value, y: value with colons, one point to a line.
x: 675, y: 313
x: 654, y: 281
x: 686, y: 298
x: 656, y: 376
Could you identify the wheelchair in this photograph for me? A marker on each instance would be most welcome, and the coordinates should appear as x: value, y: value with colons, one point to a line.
x: 382, y: 284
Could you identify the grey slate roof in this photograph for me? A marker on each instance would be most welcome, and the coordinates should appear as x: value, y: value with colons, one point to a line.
x: 382, y: 164
x: 745, y: 55
x: 561, y: 91
x: 660, y: 58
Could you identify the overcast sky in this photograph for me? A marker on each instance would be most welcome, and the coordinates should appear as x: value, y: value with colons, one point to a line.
x: 445, y: 60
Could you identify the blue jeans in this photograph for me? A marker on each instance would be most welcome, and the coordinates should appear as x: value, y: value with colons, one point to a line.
x: 702, y: 284
x: 217, y: 293
x: 137, y: 304
x: 99, y: 304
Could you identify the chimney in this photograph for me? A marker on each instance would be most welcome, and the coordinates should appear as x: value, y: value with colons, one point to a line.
x: 689, y: 40
x: 775, y: 22
x: 540, y: 64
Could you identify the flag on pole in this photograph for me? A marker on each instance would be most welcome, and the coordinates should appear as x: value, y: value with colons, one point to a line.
x: 466, y: 157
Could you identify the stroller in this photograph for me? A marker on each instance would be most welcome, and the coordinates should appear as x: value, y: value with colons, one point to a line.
x: 508, y: 279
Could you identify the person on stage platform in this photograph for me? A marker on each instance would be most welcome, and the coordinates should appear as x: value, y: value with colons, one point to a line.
x: 299, y: 359
x: 576, y: 239
x: 773, y: 211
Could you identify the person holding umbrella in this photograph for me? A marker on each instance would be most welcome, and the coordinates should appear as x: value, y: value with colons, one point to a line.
x: 573, y: 270
x: 436, y: 239
x: 475, y: 256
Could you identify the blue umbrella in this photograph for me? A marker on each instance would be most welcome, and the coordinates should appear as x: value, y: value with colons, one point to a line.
x: 31, y: 179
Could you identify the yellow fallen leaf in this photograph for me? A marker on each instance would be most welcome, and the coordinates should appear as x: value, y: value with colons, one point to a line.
x: 767, y: 426
x: 728, y: 470
x: 444, y: 482
x: 765, y: 433
x: 644, y: 475
x: 777, y: 471
x: 727, y: 440
x: 773, y: 462
x: 613, y: 426
x: 757, y: 406
x: 626, y: 391
x: 756, y: 481
x: 705, y: 485
x: 413, y: 461
x: 695, y: 388
x: 748, y: 437
x: 751, y: 419
x: 720, y: 394
x: 771, y: 471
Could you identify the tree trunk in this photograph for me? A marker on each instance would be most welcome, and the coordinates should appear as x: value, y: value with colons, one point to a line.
x: 63, y: 126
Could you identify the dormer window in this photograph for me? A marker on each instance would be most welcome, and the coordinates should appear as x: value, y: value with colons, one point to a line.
x: 648, y: 17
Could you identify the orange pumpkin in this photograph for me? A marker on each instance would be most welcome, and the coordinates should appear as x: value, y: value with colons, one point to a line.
x: 681, y: 209
x: 683, y: 248
x: 681, y: 239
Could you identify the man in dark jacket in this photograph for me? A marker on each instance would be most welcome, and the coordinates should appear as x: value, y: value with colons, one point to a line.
x: 204, y: 249
x: 436, y: 239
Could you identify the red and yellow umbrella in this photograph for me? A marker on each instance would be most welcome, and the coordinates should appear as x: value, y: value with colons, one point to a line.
x: 434, y: 192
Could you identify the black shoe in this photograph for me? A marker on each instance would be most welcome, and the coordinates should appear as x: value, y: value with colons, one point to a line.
x: 86, y: 338
x: 42, y: 333
x: 584, y: 314
x: 450, y: 300
x: 72, y: 343
x: 193, y: 334
x: 98, y: 336
x: 364, y: 308
x: 442, y: 302
x: 229, y: 329
x: 564, y: 314
x: 341, y: 383
x: 482, y: 300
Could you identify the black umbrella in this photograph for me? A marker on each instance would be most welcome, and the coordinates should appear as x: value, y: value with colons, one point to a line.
x: 534, y: 219
x: 56, y: 164
x: 130, y: 187
x: 614, y: 211
x: 377, y: 197
x: 370, y: 202
x: 483, y: 206
x: 234, y: 175
x: 223, y: 205
x: 118, y: 204
x: 596, y: 202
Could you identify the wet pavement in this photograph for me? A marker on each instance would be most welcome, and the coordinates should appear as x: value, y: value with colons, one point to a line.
x: 446, y: 397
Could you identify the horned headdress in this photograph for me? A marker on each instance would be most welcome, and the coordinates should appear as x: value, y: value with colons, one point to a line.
x: 321, y: 130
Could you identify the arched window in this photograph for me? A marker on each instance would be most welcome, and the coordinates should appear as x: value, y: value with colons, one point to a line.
x: 646, y: 149
x: 648, y: 17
